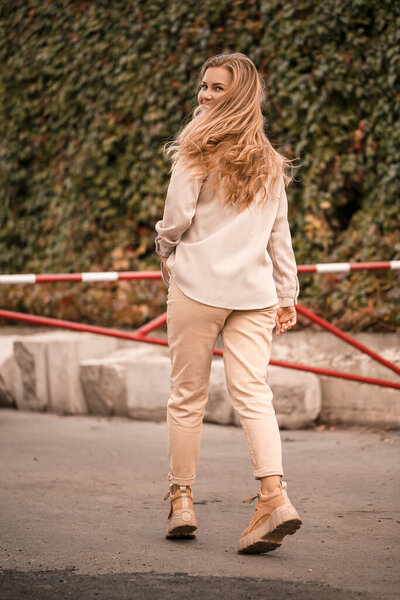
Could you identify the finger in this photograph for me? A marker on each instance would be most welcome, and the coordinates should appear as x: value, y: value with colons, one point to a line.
x: 290, y: 321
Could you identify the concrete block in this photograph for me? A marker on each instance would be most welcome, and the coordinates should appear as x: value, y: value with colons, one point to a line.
x: 40, y: 370
x: 31, y: 384
x: 103, y: 387
x: 137, y: 385
x: 47, y: 369
x: 345, y: 401
x: 351, y: 402
x: 124, y: 383
x: 7, y: 372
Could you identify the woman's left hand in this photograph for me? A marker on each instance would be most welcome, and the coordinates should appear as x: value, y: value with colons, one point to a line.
x: 286, y: 318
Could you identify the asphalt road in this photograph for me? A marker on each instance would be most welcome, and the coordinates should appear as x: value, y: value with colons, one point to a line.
x: 82, y: 513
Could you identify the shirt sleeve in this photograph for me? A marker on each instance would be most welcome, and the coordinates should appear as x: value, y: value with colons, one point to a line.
x: 179, y: 209
x: 281, y: 252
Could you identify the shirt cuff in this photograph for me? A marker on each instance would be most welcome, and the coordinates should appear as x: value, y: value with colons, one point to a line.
x: 286, y: 301
x: 158, y: 249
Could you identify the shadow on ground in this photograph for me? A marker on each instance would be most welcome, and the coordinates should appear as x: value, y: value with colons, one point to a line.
x: 57, y: 584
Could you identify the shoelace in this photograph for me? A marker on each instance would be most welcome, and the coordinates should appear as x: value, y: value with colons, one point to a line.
x: 250, y: 499
x: 167, y: 495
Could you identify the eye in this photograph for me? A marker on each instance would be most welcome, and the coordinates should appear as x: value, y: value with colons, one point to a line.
x: 218, y: 87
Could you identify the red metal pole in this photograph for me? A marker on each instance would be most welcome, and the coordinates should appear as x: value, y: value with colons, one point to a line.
x: 7, y: 314
x: 347, y: 338
x: 340, y: 374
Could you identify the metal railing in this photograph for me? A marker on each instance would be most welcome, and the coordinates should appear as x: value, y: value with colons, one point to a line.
x: 141, y: 334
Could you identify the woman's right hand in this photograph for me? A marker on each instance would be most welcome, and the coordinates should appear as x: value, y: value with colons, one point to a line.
x: 286, y: 318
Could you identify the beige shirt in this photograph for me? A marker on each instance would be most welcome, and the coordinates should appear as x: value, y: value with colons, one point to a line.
x: 223, y: 257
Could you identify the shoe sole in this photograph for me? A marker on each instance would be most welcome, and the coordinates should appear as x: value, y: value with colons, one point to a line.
x: 182, y: 524
x: 182, y: 531
x: 283, y: 521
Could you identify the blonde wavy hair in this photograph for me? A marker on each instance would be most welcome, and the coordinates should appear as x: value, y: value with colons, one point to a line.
x: 229, y: 139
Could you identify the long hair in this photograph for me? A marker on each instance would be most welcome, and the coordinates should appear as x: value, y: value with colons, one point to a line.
x: 228, y: 138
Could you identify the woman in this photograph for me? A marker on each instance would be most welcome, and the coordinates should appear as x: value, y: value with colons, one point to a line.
x: 227, y: 258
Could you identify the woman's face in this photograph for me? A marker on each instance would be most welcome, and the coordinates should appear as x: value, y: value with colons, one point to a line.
x: 214, y: 85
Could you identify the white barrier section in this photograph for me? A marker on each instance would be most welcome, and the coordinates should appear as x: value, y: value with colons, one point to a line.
x: 23, y: 278
x: 105, y: 276
x: 332, y: 267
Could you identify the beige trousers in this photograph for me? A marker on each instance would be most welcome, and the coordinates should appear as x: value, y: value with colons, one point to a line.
x: 246, y: 336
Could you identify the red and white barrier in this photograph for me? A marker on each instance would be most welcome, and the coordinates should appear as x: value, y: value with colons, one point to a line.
x: 346, y: 266
x: 93, y: 276
x: 140, y: 334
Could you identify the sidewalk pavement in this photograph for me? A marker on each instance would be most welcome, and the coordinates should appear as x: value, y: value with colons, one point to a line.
x: 82, y: 513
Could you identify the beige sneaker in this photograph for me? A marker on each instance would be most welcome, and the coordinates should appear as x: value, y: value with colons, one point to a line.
x: 274, y: 517
x: 181, y: 519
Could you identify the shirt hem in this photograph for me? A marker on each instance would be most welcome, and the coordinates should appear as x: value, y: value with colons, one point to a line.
x: 219, y: 305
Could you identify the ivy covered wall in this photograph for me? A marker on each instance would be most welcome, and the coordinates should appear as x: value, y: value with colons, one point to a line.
x: 90, y: 91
